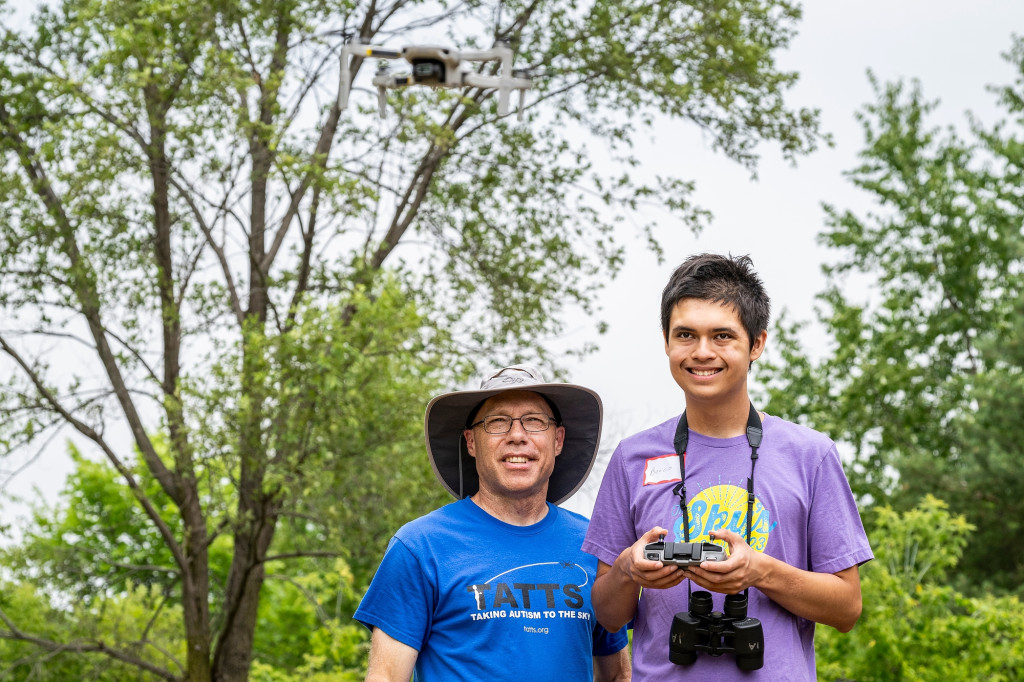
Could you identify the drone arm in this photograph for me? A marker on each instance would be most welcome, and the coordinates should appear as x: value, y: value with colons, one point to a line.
x: 485, y: 55
x: 476, y: 80
x: 358, y: 50
x: 345, y: 83
x: 380, y: 52
x: 504, y: 84
x: 503, y: 93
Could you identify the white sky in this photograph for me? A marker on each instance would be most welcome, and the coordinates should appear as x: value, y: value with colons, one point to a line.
x: 952, y: 47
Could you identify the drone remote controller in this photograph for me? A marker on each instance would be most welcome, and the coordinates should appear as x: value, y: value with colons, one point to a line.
x: 683, y: 554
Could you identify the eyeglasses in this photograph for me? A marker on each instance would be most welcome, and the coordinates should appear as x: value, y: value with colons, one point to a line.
x: 499, y: 423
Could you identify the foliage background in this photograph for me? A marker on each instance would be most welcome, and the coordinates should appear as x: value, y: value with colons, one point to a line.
x: 968, y: 622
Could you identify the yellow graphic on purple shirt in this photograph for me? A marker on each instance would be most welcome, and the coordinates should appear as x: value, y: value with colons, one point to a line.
x: 725, y: 506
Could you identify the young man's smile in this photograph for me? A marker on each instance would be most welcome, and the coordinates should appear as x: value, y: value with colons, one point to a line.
x: 709, y: 351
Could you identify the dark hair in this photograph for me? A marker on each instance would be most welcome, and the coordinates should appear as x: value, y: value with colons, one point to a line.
x: 729, y: 280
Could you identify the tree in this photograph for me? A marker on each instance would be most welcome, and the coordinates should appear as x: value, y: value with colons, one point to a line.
x: 915, y: 626
x: 200, y: 248
x: 925, y: 378
x: 76, y: 555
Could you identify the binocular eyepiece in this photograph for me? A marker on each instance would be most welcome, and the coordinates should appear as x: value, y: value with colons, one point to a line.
x: 728, y: 631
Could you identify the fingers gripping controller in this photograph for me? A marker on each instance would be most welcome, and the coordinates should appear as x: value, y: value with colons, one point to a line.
x: 683, y: 554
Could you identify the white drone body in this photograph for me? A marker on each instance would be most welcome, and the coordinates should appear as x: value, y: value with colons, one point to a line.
x: 439, y: 67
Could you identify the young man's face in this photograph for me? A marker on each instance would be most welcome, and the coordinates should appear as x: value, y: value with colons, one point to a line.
x: 516, y: 464
x: 709, y: 352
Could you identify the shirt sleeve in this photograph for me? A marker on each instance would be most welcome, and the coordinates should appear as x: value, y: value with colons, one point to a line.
x: 611, y: 524
x: 607, y: 643
x: 836, y: 537
x: 399, y: 598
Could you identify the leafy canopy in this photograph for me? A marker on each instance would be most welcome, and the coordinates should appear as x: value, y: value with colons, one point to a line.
x: 239, y: 297
x: 925, y: 376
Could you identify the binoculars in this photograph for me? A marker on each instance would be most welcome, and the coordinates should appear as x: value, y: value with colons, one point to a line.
x: 717, y: 632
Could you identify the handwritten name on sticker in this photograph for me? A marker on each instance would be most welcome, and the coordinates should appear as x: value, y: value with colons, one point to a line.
x: 662, y: 469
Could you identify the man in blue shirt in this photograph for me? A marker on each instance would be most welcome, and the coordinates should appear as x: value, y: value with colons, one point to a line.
x: 495, y: 585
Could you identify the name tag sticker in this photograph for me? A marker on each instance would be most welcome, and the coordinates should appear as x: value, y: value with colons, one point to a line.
x: 661, y: 469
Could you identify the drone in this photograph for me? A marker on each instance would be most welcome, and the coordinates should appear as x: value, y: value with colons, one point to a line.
x: 438, y: 67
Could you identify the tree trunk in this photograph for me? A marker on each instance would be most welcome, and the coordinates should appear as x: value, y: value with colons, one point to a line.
x: 233, y: 653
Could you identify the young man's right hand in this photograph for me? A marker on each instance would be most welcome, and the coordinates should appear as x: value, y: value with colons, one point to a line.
x: 644, y: 572
x: 617, y: 587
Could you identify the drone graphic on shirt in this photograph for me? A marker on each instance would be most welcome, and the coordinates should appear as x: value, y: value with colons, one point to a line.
x: 438, y: 67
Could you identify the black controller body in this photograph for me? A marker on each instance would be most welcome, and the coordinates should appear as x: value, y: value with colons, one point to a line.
x: 683, y: 553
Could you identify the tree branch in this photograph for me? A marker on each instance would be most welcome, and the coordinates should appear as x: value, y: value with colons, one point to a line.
x: 80, y: 647
x: 302, y: 555
x: 302, y: 283
x: 91, y: 434
x: 84, y: 290
x: 218, y: 250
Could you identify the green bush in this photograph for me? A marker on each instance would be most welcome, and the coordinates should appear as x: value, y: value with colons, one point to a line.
x: 914, y: 626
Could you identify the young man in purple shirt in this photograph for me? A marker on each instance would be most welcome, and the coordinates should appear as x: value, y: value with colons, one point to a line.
x: 793, y: 532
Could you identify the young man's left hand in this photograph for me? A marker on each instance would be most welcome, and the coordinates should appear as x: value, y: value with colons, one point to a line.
x: 743, y: 569
x: 830, y: 598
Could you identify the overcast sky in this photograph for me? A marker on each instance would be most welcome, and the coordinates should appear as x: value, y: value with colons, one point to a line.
x: 953, y: 48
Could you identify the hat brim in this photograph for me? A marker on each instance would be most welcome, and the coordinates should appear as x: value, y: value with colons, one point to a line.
x: 445, y: 420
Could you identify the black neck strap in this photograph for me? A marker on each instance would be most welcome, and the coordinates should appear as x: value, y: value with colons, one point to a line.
x: 681, y: 440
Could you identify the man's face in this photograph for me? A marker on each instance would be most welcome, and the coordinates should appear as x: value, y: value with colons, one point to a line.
x: 516, y: 464
x: 709, y: 351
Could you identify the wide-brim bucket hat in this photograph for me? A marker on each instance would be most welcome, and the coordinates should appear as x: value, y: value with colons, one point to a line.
x: 579, y: 410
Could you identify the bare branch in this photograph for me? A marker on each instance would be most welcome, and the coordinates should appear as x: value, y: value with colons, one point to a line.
x: 414, y: 195
x: 236, y: 305
x: 91, y: 434
x: 8, y: 476
x: 302, y: 555
x: 81, y: 647
x: 310, y: 597
x: 318, y: 162
x: 149, y: 625
x: 302, y: 285
x: 89, y: 305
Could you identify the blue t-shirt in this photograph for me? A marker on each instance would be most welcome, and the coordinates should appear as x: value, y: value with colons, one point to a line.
x: 482, y: 599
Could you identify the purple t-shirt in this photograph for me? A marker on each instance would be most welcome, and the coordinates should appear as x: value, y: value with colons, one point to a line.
x: 804, y: 515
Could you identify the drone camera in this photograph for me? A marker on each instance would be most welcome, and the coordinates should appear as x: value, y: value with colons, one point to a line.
x: 429, y: 71
x: 431, y: 65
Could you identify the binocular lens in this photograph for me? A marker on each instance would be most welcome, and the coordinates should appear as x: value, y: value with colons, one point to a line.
x: 735, y: 606
x: 700, y: 603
